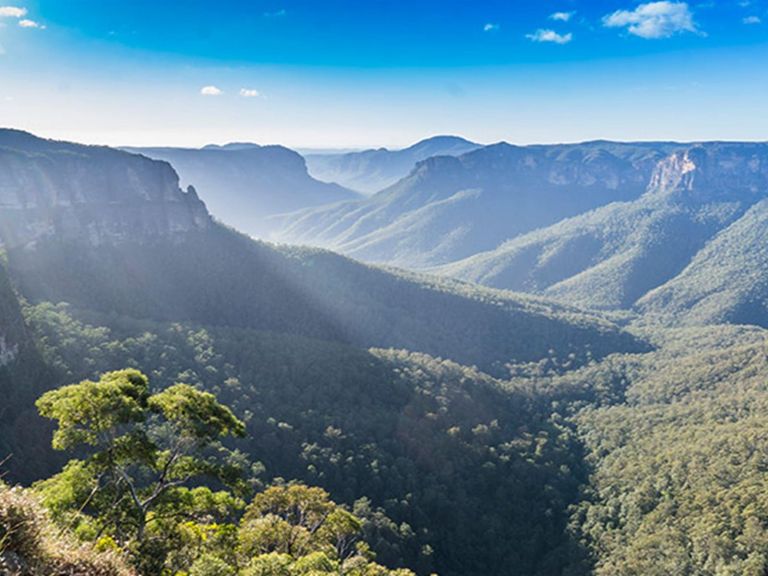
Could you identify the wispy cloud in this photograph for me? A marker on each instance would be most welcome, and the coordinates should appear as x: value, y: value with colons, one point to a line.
x: 275, y: 14
x: 654, y: 20
x: 544, y: 35
x: 26, y: 23
x: 12, y: 12
x: 752, y: 20
x: 249, y: 93
x: 491, y: 27
x: 562, y: 16
x: 211, y: 91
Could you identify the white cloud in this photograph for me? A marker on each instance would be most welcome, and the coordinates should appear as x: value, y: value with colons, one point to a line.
x: 211, y: 91
x: 491, y: 27
x: 12, y: 12
x: 752, y: 20
x: 654, y: 19
x: 542, y: 35
x: 249, y: 93
x: 30, y: 24
x: 276, y: 14
x: 562, y: 16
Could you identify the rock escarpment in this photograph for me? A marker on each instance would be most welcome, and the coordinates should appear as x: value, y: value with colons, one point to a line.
x: 89, y: 193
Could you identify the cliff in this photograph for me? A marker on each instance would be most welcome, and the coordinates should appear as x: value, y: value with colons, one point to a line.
x: 88, y: 193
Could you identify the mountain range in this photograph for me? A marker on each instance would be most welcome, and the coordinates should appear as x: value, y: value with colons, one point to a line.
x: 450, y: 208
x: 648, y: 227
x: 371, y: 382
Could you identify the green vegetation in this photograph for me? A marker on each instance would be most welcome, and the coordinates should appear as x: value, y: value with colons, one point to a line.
x: 144, y: 453
x: 559, y: 468
x: 411, y: 443
x: 137, y: 495
x: 679, y: 465
x: 219, y: 278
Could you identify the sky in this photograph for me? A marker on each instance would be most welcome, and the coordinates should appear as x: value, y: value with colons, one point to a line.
x: 370, y: 73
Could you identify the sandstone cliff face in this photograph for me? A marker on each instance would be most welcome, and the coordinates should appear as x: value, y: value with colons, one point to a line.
x: 714, y: 171
x: 246, y: 186
x: 95, y: 194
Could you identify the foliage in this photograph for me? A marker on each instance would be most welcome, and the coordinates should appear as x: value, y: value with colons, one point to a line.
x: 143, y: 453
x: 679, y: 483
x: 414, y: 444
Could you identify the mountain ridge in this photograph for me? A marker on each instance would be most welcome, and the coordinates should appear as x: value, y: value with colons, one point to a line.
x: 693, y: 198
x: 410, y: 224
x: 375, y: 169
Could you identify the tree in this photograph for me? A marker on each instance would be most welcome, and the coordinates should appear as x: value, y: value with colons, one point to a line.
x: 298, y: 529
x: 144, y: 452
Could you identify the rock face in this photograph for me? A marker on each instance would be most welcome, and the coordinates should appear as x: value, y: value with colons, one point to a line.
x: 246, y: 185
x: 88, y: 193
x: 713, y: 172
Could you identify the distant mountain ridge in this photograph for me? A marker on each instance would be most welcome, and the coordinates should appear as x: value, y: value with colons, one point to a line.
x: 245, y: 185
x: 691, y: 249
x: 670, y: 230
x: 369, y: 171
x: 449, y: 208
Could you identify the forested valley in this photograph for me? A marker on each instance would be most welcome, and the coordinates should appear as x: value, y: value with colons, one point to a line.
x: 179, y: 399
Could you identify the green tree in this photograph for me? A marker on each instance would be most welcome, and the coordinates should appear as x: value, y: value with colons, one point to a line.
x: 143, y: 454
x: 297, y: 529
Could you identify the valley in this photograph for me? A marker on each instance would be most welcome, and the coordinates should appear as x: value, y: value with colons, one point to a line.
x: 467, y: 425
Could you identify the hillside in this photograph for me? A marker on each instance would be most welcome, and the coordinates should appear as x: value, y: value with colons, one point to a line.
x: 369, y: 171
x: 690, y: 247
x: 448, y: 208
x: 725, y: 282
x: 678, y: 482
x: 245, y: 184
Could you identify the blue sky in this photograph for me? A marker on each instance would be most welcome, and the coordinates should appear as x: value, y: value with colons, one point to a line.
x: 344, y: 73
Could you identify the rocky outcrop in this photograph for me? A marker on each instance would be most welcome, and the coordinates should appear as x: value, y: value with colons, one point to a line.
x: 247, y: 185
x: 89, y: 193
x: 714, y: 172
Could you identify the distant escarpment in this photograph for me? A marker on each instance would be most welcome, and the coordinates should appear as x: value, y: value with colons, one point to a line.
x: 98, y: 194
x: 246, y: 185
x: 449, y: 208
x: 691, y: 249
